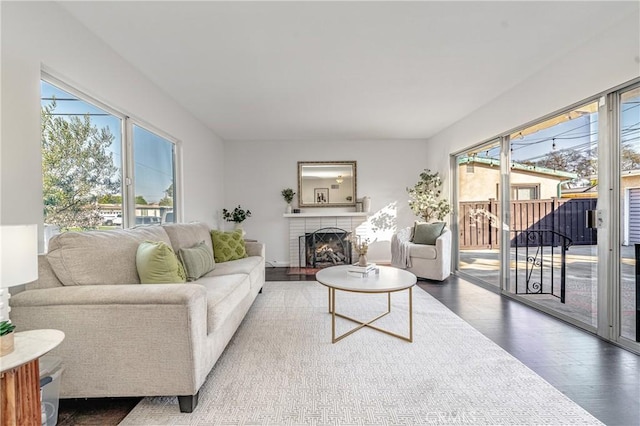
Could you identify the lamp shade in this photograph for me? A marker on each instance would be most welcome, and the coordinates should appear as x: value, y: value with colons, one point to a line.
x: 18, y: 254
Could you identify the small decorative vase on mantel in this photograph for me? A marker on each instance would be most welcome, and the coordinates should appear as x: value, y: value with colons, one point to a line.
x: 288, y: 194
x: 238, y: 226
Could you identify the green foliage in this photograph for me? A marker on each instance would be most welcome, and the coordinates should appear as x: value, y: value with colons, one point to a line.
x: 424, y: 197
x: 288, y: 195
x: 238, y: 215
x: 166, y: 201
x: 76, y: 168
x: 140, y: 200
x: 6, y: 327
x: 110, y: 199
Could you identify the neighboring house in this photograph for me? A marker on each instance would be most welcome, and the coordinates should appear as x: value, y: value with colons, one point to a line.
x: 630, y: 208
x: 112, y: 213
x: 479, y: 180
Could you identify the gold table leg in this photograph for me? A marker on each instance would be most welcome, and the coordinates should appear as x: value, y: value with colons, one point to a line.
x: 334, y: 314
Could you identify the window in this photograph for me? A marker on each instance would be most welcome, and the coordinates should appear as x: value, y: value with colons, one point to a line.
x: 525, y: 192
x: 90, y: 181
x: 154, y: 160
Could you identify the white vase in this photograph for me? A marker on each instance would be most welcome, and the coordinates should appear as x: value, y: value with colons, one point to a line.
x: 238, y: 226
x: 362, y: 260
x: 288, y: 209
x: 366, y: 204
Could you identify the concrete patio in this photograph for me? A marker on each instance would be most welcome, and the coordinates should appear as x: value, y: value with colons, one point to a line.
x: 580, y: 285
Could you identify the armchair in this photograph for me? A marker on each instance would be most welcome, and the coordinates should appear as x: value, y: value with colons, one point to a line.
x: 425, y: 261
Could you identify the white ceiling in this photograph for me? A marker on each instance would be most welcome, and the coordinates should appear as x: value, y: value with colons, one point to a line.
x: 341, y: 70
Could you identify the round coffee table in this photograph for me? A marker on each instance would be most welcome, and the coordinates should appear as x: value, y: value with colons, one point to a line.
x: 386, y: 280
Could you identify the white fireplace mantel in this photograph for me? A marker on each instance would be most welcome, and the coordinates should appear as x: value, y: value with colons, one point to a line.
x: 328, y: 214
x: 303, y: 223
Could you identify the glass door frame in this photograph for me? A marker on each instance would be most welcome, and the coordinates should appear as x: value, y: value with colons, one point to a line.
x: 614, y: 308
x: 455, y: 217
x: 608, y: 218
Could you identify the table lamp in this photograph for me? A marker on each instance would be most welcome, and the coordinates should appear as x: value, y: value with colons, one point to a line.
x: 18, y: 262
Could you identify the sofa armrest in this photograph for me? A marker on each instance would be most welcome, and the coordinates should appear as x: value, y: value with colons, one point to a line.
x: 255, y: 248
x: 129, y: 294
x: 153, y: 336
x: 443, y: 244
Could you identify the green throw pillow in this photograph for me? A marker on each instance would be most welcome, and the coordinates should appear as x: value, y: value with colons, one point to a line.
x: 228, y: 245
x: 158, y: 264
x: 197, y: 260
x: 427, y: 233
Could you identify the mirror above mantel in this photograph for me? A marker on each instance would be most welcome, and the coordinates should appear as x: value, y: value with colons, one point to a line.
x: 327, y: 183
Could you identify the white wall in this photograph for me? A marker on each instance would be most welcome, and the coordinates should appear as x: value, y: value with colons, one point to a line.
x: 257, y: 171
x: 610, y: 59
x: 36, y: 35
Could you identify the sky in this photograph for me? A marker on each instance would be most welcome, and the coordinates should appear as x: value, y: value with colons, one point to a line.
x: 153, y: 155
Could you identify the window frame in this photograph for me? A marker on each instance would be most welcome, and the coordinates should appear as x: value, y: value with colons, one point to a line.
x: 127, y: 158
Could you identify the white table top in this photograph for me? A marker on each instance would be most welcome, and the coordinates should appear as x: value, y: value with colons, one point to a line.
x: 29, y: 345
x: 389, y: 279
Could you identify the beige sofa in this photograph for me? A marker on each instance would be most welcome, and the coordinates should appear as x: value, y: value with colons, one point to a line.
x: 432, y: 262
x: 124, y: 338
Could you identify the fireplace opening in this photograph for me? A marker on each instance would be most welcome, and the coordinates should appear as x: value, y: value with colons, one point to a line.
x: 327, y: 247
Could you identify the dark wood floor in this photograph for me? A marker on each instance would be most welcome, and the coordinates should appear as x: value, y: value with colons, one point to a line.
x: 600, y: 377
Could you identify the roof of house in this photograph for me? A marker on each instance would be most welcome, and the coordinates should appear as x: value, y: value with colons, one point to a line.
x: 557, y: 174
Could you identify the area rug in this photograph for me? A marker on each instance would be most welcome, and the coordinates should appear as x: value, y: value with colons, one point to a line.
x: 282, y: 369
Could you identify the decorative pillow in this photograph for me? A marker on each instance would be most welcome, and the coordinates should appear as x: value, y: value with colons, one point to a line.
x: 413, y: 229
x: 228, y: 245
x: 197, y: 260
x: 158, y: 264
x: 100, y: 257
x: 427, y: 233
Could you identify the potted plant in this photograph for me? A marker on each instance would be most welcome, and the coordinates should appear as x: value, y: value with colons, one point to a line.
x: 288, y: 194
x: 6, y: 337
x: 237, y: 215
x: 424, y: 197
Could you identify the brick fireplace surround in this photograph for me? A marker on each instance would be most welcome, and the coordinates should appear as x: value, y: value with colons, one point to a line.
x: 304, y: 223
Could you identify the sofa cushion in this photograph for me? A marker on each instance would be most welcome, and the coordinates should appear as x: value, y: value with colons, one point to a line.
x: 224, y: 294
x: 241, y: 266
x: 185, y: 235
x: 228, y: 245
x: 197, y: 260
x: 157, y: 263
x: 423, y: 251
x: 427, y: 233
x: 100, y: 257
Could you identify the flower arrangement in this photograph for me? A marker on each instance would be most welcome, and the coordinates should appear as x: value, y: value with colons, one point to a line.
x: 238, y: 215
x: 288, y: 194
x: 360, y: 245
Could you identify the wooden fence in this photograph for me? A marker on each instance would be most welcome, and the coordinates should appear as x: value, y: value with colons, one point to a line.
x: 479, y: 225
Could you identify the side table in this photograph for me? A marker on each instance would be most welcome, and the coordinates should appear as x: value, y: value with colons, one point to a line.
x: 20, y: 377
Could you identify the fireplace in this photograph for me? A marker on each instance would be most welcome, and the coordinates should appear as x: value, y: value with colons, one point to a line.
x: 326, y: 247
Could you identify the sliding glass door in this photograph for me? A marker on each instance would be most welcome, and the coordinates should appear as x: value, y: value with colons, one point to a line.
x: 549, y: 214
x: 628, y: 302
x: 478, y: 211
x: 554, y: 188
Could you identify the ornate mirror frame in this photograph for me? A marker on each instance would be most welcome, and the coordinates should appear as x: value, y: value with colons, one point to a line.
x: 327, y: 183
